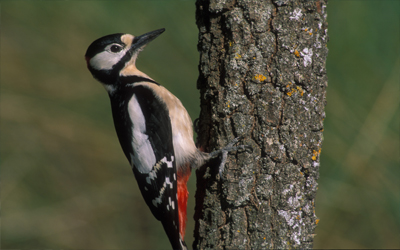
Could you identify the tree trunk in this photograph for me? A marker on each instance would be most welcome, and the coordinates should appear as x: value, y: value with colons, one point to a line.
x: 263, y: 77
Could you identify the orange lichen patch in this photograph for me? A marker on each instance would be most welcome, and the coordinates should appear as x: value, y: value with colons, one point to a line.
x: 291, y: 92
x: 314, y: 157
x: 305, y: 29
x: 238, y: 56
x: 315, y: 154
x: 230, y: 44
x: 316, y: 221
x: 260, y: 77
x: 296, y: 53
x: 310, y: 33
x: 300, y: 90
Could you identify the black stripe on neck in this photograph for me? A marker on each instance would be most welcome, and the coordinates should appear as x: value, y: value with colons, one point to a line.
x: 134, y: 79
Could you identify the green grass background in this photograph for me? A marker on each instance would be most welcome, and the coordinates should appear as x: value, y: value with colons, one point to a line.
x: 65, y: 183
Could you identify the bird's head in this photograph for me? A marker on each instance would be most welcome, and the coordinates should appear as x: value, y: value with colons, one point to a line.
x: 112, y: 56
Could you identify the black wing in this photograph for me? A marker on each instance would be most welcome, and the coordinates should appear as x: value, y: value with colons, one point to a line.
x: 159, y: 186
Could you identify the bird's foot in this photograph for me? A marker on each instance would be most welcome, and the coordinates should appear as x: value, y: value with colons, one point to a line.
x: 225, y: 150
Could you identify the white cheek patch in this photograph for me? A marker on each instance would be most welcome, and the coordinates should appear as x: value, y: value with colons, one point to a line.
x: 105, y: 60
x: 143, y: 156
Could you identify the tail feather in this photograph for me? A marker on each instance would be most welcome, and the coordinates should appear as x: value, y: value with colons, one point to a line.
x: 174, y: 237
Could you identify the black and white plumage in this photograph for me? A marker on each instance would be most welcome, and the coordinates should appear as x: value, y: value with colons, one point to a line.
x: 154, y: 129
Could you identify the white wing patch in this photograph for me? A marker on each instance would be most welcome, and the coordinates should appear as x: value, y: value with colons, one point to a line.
x: 143, y: 156
x: 152, y: 175
x: 170, y: 164
x: 167, y: 181
x: 158, y: 200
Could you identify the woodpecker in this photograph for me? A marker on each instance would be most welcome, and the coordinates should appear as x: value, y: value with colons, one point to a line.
x: 153, y: 127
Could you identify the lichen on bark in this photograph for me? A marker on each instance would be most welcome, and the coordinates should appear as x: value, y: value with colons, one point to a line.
x: 263, y: 77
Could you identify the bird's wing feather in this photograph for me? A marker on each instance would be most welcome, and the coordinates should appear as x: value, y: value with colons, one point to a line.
x: 157, y: 178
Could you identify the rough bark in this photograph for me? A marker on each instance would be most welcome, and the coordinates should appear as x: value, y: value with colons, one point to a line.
x: 262, y: 76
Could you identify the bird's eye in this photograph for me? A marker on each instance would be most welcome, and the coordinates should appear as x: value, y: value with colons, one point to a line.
x: 115, y: 48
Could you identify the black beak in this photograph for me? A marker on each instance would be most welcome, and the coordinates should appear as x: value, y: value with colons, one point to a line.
x: 144, y: 39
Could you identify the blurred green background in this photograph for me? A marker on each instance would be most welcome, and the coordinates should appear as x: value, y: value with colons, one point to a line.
x: 65, y: 181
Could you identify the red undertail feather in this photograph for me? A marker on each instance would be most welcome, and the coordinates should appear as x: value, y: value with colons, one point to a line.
x: 183, y: 194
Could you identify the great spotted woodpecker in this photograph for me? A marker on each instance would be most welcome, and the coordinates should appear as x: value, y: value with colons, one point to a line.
x: 153, y: 128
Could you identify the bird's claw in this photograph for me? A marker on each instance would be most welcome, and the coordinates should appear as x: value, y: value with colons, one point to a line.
x: 228, y: 148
